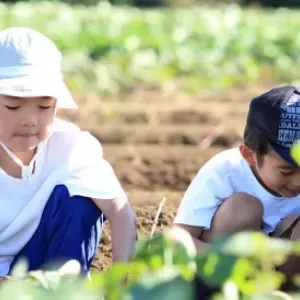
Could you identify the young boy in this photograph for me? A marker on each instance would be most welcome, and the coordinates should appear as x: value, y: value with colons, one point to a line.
x: 56, y: 187
x: 255, y: 186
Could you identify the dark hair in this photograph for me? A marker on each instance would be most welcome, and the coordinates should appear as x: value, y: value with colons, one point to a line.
x: 256, y: 141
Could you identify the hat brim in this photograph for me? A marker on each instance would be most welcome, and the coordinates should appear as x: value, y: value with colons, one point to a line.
x: 285, y: 154
x: 25, y: 87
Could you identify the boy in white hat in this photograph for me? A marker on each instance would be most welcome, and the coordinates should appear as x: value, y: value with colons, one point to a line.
x: 56, y: 187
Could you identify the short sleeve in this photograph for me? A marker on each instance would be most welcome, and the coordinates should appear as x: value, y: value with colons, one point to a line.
x: 204, y: 195
x: 90, y: 174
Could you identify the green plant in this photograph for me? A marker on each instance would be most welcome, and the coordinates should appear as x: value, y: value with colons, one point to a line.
x: 164, y: 267
x: 295, y: 152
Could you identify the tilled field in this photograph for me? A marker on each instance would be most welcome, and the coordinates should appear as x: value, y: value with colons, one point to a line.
x: 157, y: 143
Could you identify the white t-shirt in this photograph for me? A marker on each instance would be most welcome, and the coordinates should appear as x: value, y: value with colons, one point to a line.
x: 225, y: 174
x: 70, y: 157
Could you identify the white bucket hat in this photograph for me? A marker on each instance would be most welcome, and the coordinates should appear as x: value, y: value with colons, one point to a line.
x: 30, y: 66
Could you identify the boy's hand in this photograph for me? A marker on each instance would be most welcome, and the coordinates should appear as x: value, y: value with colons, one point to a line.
x: 4, y: 278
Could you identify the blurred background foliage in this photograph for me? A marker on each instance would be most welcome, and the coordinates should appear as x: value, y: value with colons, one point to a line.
x: 172, y: 45
x: 158, y: 3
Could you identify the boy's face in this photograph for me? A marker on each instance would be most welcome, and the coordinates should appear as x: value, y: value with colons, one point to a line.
x: 278, y: 176
x: 25, y: 122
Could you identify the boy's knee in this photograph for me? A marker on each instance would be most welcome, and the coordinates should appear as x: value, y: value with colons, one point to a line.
x: 239, y: 212
x: 245, y: 207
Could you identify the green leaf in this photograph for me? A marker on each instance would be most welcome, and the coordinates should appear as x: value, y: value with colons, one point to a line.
x: 174, y: 246
x: 164, y: 284
x: 295, y: 152
x: 215, y: 267
x: 20, y: 269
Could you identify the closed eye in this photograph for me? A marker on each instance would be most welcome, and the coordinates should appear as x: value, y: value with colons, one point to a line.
x: 45, y: 107
x: 12, y: 107
x: 286, y: 173
x: 286, y: 169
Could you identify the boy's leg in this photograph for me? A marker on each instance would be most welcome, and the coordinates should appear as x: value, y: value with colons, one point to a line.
x: 70, y: 228
x: 237, y: 213
x: 289, y: 228
x: 286, y: 226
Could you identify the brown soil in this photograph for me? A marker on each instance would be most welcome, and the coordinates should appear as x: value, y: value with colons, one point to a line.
x: 157, y: 142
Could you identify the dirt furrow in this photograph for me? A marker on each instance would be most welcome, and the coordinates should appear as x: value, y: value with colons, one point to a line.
x: 154, y: 167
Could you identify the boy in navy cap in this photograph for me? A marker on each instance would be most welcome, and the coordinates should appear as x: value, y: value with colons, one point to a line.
x: 255, y: 186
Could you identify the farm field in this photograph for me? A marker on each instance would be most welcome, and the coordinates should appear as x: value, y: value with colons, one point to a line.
x: 164, y: 90
x: 157, y: 142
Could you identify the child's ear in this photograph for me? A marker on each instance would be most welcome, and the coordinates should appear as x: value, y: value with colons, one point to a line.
x: 248, y: 154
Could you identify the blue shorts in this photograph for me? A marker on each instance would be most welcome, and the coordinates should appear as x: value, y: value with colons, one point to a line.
x: 70, y: 228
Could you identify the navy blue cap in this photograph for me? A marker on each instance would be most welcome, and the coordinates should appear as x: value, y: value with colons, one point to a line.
x: 276, y: 114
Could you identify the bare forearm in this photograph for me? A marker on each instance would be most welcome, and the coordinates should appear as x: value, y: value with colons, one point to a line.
x: 121, y: 218
x: 123, y: 230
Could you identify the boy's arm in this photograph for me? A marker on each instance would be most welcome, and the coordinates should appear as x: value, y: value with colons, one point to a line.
x: 121, y: 217
x: 200, y: 202
x: 94, y: 175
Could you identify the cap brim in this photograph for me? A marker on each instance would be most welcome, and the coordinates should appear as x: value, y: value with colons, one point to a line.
x: 25, y: 87
x: 285, y: 154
